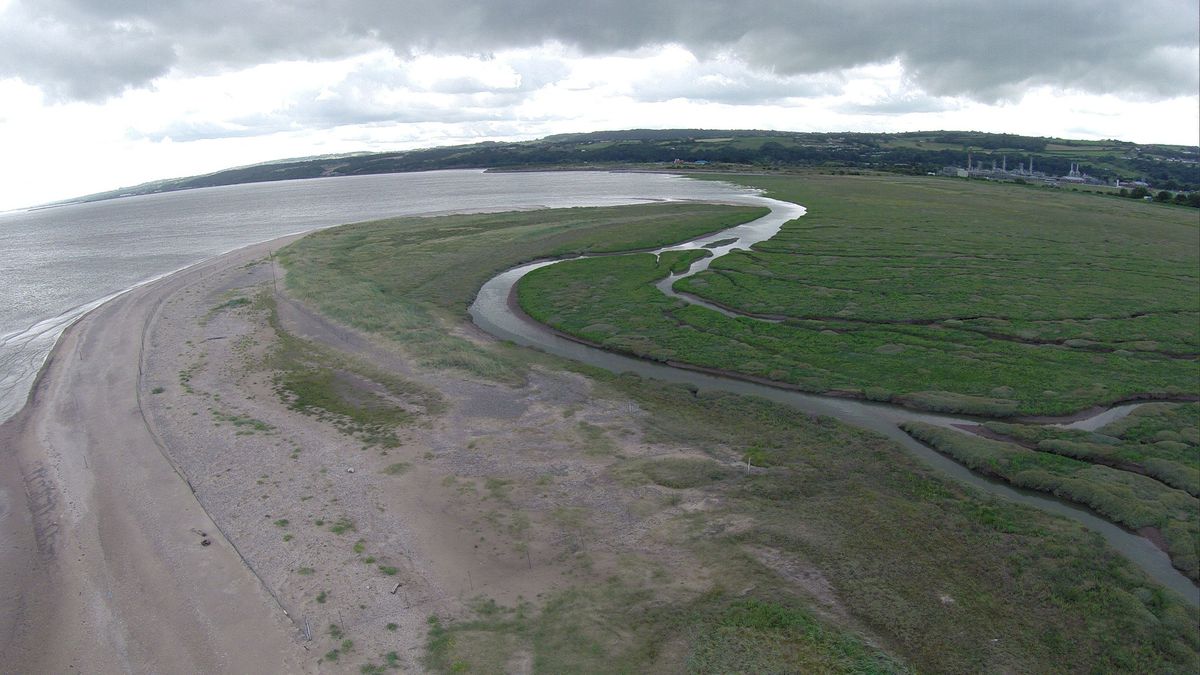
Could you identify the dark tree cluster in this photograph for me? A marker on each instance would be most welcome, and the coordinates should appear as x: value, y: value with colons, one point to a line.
x: 1170, y: 168
x: 1191, y: 199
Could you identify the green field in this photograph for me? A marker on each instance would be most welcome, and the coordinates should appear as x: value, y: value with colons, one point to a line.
x: 917, y: 572
x: 947, y: 295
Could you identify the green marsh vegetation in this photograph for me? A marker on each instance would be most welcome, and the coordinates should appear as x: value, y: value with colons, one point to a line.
x: 615, y: 628
x: 1127, y: 498
x: 677, y: 472
x: 626, y: 307
x: 410, y: 279
x: 929, y: 567
x: 245, y: 425
x: 1140, y: 471
x: 946, y: 295
x: 233, y: 303
x: 838, y: 551
x: 1160, y: 440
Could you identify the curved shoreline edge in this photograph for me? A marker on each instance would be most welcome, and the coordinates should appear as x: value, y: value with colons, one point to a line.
x: 104, y: 562
x: 63, y: 321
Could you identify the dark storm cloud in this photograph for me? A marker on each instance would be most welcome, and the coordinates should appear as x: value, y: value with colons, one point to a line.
x: 985, y: 50
x: 83, y: 60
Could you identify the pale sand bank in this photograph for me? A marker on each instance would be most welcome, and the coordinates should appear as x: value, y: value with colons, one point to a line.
x: 102, y: 567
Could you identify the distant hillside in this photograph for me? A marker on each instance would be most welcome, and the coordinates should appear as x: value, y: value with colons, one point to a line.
x: 1163, y: 167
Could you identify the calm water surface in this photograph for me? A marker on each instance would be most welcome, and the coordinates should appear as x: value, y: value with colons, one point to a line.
x: 57, y: 263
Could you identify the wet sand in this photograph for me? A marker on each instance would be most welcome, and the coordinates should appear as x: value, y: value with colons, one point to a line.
x: 103, y: 564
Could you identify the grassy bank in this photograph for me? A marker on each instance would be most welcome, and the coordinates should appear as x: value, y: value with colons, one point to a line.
x: 1161, y: 440
x: 359, y: 399
x: 616, y: 627
x: 836, y: 551
x: 881, y: 564
x: 1127, y: 498
x: 409, y: 279
x: 612, y: 301
x: 941, y: 295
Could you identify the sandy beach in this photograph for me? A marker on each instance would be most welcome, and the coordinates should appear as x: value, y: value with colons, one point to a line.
x: 104, y: 567
x: 155, y: 427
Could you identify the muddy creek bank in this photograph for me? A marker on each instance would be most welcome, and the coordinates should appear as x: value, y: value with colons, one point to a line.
x: 495, y: 312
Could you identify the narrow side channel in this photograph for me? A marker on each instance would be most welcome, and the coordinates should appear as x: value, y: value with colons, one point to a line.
x: 495, y: 311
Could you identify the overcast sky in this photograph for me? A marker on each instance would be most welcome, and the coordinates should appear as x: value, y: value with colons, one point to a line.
x: 96, y: 94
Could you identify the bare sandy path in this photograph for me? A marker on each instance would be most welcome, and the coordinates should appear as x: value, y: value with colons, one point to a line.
x: 102, y: 566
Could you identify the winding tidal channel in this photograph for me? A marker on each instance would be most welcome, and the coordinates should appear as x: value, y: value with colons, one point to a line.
x: 496, y: 312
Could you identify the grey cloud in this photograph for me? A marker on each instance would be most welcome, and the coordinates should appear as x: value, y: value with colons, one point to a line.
x: 184, y: 131
x: 367, y: 96
x: 316, y: 114
x: 350, y: 110
x: 82, y: 62
x: 987, y: 50
x: 724, y: 82
x: 900, y: 105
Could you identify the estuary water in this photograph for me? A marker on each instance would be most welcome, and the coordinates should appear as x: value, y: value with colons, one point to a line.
x: 57, y: 263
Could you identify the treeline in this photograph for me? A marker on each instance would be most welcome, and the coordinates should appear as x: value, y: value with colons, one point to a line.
x: 1191, y: 199
x: 1173, y: 168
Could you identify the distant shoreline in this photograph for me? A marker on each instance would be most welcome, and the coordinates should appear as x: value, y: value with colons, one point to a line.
x: 728, y: 151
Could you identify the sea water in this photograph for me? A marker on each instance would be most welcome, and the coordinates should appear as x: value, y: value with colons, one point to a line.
x: 58, y: 263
